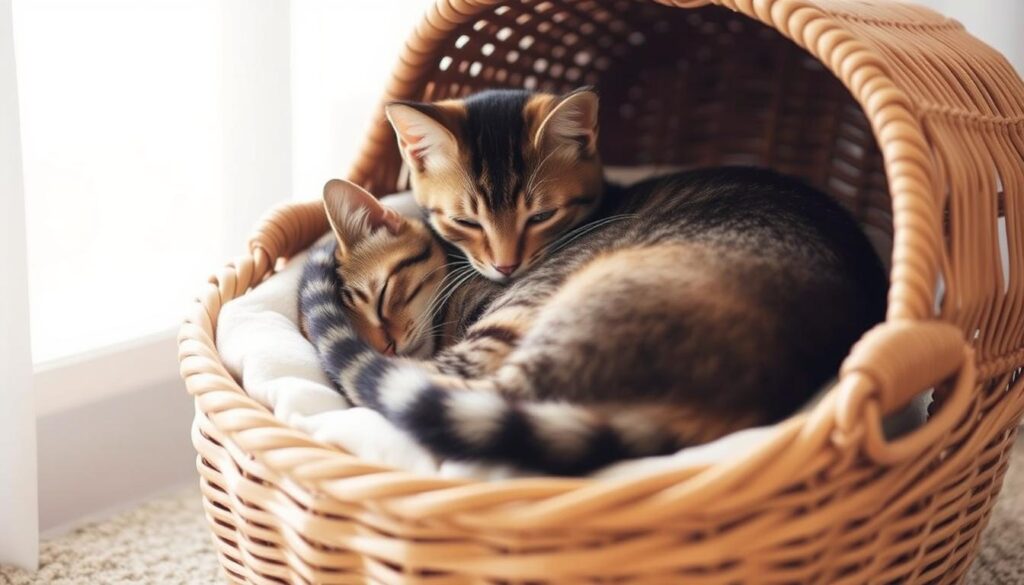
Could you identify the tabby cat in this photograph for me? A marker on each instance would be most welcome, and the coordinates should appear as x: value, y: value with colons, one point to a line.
x: 503, y: 173
x: 702, y: 303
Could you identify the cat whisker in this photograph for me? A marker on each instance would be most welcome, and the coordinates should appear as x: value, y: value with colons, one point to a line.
x: 536, y: 186
x: 429, y: 315
x: 581, y: 231
x: 466, y: 274
x: 536, y: 171
x: 439, y: 328
x: 451, y: 291
x: 451, y: 281
x: 427, y: 275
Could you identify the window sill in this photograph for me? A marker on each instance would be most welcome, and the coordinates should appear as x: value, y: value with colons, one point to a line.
x: 75, y: 381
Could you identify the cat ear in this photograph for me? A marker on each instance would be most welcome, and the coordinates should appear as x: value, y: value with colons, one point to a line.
x: 425, y: 141
x: 354, y: 214
x: 571, y: 124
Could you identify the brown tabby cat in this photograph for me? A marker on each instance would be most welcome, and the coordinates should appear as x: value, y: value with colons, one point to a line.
x: 398, y: 275
x: 503, y: 173
x: 703, y: 302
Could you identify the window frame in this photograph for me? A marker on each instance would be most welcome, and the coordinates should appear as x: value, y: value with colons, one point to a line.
x: 100, y: 373
x: 19, y: 521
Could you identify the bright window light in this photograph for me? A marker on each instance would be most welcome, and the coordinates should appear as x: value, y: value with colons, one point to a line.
x: 342, y: 57
x: 122, y: 164
x: 149, y: 128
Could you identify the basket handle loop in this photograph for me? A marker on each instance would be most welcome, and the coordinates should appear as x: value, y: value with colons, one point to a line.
x: 890, y: 365
x: 286, y: 230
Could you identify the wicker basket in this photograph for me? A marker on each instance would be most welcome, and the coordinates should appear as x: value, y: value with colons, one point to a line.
x: 896, y: 111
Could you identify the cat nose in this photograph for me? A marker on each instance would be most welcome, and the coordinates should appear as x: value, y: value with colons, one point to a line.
x: 507, y: 270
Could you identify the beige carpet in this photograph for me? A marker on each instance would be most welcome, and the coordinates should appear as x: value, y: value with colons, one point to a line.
x: 1001, y: 558
x: 164, y: 542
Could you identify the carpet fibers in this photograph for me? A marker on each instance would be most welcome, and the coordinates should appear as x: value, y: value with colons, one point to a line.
x: 162, y: 541
x: 165, y: 542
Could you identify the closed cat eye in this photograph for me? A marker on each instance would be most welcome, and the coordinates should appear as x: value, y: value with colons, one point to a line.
x: 380, y: 300
x: 466, y: 222
x: 542, y: 216
x: 412, y: 295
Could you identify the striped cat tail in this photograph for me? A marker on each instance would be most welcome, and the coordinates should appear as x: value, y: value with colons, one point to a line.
x: 480, y: 425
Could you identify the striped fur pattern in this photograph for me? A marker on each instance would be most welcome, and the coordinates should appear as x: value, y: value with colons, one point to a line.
x: 503, y: 173
x: 695, y: 305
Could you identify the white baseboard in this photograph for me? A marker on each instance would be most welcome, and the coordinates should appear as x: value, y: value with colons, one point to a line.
x: 103, y: 454
x: 80, y: 379
x: 107, y: 513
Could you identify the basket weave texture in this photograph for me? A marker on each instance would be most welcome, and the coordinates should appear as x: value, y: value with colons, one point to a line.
x: 914, y: 125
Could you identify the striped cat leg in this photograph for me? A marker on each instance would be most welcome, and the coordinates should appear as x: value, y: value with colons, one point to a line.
x: 486, y: 343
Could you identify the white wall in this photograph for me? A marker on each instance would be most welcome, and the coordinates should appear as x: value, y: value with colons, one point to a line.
x: 112, y: 452
x: 256, y: 112
x: 342, y: 56
x: 1000, y: 23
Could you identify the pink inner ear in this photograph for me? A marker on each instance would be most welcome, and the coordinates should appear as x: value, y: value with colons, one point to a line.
x: 380, y: 215
x: 355, y: 197
x: 390, y: 219
x: 415, y: 152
